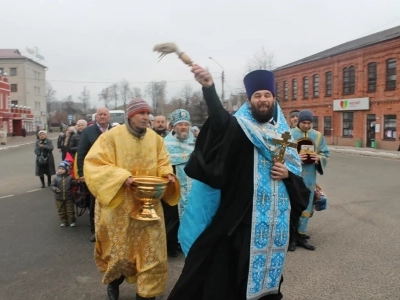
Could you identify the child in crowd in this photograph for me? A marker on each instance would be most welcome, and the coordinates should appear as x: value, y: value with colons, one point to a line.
x: 61, y: 185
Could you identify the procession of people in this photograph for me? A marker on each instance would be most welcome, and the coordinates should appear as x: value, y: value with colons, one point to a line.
x: 239, y: 192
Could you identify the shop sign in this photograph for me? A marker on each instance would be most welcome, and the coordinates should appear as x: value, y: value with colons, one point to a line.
x: 351, y: 104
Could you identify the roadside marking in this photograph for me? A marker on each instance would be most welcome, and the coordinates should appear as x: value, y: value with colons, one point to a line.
x: 33, y: 191
x: 8, y: 196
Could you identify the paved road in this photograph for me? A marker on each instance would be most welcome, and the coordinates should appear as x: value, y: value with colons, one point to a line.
x: 357, y: 238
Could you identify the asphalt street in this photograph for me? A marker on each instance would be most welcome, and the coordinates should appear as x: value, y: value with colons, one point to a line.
x: 357, y: 238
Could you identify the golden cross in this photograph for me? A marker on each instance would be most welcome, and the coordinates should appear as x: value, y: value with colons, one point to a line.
x: 284, y: 143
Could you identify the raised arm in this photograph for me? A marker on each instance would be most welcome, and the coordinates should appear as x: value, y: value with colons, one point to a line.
x: 216, y: 111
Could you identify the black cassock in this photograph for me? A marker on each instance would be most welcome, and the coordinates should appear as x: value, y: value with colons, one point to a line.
x: 217, y: 264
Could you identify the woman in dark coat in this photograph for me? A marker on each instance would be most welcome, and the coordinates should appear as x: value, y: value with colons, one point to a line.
x: 44, y: 152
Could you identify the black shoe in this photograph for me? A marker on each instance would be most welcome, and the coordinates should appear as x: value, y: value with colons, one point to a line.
x: 43, y: 185
x: 142, y: 298
x: 305, y: 244
x: 92, y: 238
x: 292, y: 246
x: 303, y: 236
x: 113, y: 291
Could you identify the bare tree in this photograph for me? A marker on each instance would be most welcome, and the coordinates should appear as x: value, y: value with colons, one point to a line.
x: 50, y: 98
x: 186, y: 93
x: 157, y: 90
x: 197, y: 108
x: 137, y: 93
x: 85, y: 99
x: 125, y: 91
x: 173, y: 104
x: 261, y: 60
x: 105, y: 97
x: 113, y: 94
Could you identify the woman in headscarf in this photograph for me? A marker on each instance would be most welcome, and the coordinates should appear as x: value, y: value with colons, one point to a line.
x: 44, y: 158
x: 74, y: 140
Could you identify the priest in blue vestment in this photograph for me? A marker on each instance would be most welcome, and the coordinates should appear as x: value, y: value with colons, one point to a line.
x: 240, y: 250
x: 180, y: 144
x: 314, y: 154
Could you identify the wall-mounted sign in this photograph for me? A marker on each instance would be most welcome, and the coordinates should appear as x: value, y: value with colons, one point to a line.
x: 351, y: 104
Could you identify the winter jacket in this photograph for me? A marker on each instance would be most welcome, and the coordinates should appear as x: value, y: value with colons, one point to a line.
x: 74, y: 142
x: 89, y: 136
x: 64, y: 183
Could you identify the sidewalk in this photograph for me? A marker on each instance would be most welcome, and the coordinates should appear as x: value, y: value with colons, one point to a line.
x: 20, y: 141
x: 365, y: 151
x: 17, y: 141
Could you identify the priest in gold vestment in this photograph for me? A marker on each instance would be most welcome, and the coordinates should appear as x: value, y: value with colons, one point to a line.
x: 127, y: 248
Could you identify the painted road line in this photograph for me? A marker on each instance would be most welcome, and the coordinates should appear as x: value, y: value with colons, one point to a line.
x: 8, y: 196
x: 31, y: 191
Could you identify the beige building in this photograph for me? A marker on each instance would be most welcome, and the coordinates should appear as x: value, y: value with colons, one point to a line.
x: 27, y: 80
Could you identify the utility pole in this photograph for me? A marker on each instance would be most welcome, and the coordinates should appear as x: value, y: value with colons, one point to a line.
x: 223, y: 90
x: 222, y: 79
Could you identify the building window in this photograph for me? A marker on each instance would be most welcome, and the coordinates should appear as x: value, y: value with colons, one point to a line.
x: 391, y: 74
x: 328, y: 126
x: 13, y: 71
x: 315, y: 122
x: 349, y: 80
x: 1, y: 71
x: 1, y: 100
x: 372, y: 77
x: 294, y: 89
x: 14, y: 88
x: 285, y: 91
x: 328, y: 84
x: 277, y: 92
x: 389, y: 127
x: 315, y: 86
x: 305, y: 87
x: 348, y: 118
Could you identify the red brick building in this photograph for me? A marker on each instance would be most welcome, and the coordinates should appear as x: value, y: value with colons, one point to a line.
x: 12, y: 116
x: 352, y: 89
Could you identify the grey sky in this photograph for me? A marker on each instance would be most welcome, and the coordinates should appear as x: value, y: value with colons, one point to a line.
x: 86, y: 41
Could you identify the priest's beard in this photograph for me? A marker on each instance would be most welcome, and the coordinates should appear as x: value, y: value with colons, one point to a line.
x: 182, y: 135
x: 262, y: 116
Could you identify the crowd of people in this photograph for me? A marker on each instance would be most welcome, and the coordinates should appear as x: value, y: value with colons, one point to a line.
x: 231, y: 206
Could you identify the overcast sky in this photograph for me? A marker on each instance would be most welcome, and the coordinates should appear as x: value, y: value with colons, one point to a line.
x: 102, y: 41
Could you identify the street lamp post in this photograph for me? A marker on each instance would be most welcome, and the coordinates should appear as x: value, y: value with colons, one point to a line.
x: 222, y: 79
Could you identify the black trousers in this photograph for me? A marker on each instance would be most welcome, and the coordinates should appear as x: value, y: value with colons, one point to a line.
x: 171, y: 218
x: 92, y: 203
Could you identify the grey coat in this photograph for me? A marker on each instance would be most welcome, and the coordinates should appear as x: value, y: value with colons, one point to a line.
x: 47, y: 150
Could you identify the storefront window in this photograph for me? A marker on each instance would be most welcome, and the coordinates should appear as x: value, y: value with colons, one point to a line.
x: 285, y: 91
x: 328, y: 126
x: 348, y: 119
x: 315, y: 122
x: 328, y: 84
x: 305, y: 87
x: 277, y: 91
x: 349, y: 80
x: 294, y: 89
x: 389, y: 127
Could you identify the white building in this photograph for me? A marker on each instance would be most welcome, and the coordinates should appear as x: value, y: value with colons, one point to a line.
x: 27, y: 80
